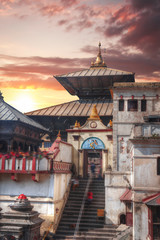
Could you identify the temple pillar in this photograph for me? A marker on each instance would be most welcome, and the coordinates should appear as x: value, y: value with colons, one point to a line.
x: 80, y: 163
x: 104, y: 160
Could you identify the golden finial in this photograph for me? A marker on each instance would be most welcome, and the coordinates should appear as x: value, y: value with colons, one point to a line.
x: 76, y: 124
x: 94, y: 113
x: 92, y: 64
x: 59, y: 135
x: 110, y: 123
x: 99, y: 60
x: 99, y: 48
x: 79, y: 125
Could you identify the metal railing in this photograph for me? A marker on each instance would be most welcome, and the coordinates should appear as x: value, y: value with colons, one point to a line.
x: 82, y: 207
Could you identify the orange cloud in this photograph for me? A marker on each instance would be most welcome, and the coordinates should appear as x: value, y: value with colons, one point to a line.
x: 36, y: 72
x: 33, y: 83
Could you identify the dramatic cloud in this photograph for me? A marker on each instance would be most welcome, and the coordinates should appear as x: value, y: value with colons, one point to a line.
x: 130, y: 32
x: 137, y: 25
x: 122, y: 59
x: 36, y: 72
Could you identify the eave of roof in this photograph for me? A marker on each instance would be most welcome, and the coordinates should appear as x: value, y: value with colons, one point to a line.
x: 152, y: 200
x: 8, y: 113
x: 127, y: 85
x: 127, y: 195
x: 97, y: 71
x: 76, y: 108
x: 146, y: 140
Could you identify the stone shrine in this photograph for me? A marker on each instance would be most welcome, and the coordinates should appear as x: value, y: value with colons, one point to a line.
x: 20, y: 222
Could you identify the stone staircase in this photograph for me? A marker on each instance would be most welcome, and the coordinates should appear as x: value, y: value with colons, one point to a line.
x: 91, y: 227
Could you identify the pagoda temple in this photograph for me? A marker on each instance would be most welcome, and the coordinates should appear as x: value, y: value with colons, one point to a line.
x: 17, y: 131
x: 92, y: 86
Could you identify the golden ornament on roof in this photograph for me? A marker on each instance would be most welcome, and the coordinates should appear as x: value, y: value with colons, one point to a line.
x: 94, y: 113
x: 59, y: 135
x: 76, y: 124
x: 99, y: 60
x: 110, y: 123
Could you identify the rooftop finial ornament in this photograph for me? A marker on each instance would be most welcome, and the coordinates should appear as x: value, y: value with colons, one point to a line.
x: 99, y: 48
x: 99, y: 60
x: 94, y: 114
x: 59, y: 135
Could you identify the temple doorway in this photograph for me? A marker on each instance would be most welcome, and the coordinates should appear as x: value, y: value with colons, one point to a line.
x: 92, y: 156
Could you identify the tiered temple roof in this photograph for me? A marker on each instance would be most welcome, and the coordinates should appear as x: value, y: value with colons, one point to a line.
x: 96, y: 81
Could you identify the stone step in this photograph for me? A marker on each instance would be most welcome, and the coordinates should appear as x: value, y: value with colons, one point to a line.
x: 90, y: 226
x: 84, y: 225
x: 83, y: 221
x: 83, y: 237
x: 94, y: 203
x: 80, y: 196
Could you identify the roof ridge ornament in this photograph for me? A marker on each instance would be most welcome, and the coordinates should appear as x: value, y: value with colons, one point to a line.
x: 94, y: 114
x: 99, y: 60
x: 58, y: 135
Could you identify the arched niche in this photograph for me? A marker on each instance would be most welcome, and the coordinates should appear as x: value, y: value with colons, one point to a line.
x: 93, y: 143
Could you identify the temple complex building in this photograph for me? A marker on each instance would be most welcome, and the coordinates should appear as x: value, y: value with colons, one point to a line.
x: 132, y: 187
x: 115, y: 126
x: 91, y: 86
x: 17, y: 131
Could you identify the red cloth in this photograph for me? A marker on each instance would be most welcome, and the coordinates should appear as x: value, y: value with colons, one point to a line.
x: 90, y: 195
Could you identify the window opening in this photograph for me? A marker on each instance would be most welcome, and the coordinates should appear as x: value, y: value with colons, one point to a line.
x: 143, y: 105
x: 121, y: 105
x: 132, y: 105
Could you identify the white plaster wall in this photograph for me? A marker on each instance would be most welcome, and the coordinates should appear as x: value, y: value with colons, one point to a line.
x: 140, y: 221
x: 65, y: 153
x: 115, y: 186
x: 145, y: 173
x: 115, y: 178
x: 146, y: 150
x: 43, y: 164
x: 25, y: 185
x: 124, y: 153
x: 156, y: 105
x: 61, y: 182
x: 113, y: 206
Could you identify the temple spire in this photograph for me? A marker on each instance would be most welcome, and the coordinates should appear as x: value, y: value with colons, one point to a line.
x: 99, y: 60
x: 100, y: 48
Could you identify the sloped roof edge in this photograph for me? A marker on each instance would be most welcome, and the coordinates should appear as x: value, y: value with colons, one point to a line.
x: 9, y: 113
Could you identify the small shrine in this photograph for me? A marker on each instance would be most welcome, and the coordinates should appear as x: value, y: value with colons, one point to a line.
x: 21, y: 222
x: 92, y: 144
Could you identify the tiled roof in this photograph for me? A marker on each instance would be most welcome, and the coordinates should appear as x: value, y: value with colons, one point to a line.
x: 153, y: 200
x: 93, y: 82
x: 127, y: 195
x: 8, y: 113
x: 103, y: 71
x: 81, y: 108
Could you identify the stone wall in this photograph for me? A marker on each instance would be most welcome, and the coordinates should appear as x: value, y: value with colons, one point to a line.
x: 115, y: 186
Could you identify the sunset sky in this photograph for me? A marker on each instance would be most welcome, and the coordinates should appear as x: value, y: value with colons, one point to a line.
x: 42, y: 38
